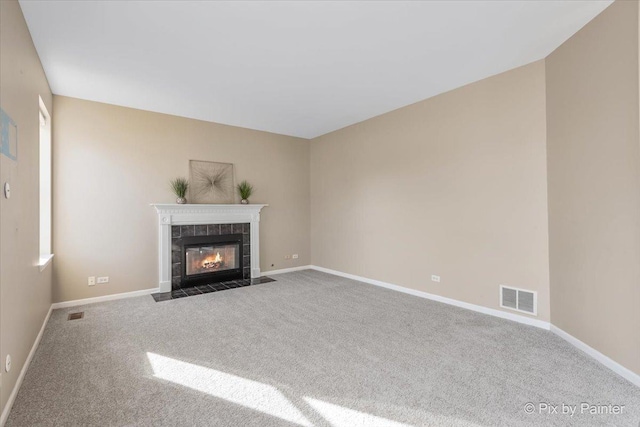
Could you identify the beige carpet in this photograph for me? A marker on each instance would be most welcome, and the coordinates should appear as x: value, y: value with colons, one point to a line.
x: 308, y: 349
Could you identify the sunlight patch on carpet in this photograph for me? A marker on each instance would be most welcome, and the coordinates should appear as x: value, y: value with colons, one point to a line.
x: 339, y: 416
x: 248, y: 393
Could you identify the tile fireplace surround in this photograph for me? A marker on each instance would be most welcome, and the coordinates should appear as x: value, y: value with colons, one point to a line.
x: 186, y: 231
x: 177, y: 215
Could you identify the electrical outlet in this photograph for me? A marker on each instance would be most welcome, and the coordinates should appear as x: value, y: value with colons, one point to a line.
x: 92, y: 280
x: 294, y: 256
x: 435, y: 278
x: 287, y: 257
x: 104, y: 279
x: 7, y: 363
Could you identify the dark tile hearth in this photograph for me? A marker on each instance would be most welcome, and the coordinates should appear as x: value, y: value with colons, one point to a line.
x: 205, y: 289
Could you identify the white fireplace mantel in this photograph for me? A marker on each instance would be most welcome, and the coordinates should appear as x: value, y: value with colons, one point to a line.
x: 174, y: 214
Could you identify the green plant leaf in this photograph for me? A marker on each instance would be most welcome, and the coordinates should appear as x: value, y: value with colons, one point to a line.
x: 245, y: 189
x: 179, y: 187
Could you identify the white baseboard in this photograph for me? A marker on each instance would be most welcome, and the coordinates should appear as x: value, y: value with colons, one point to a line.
x: 480, y: 309
x: 23, y: 371
x: 286, y: 270
x: 606, y: 361
x: 65, y: 304
x: 111, y: 297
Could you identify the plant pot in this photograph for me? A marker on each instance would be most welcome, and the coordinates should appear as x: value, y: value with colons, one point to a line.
x: 244, y: 201
x: 181, y: 200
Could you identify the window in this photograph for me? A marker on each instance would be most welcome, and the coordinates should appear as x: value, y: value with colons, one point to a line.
x: 45, y: 187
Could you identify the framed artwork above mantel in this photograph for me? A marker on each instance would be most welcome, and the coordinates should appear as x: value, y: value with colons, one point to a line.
x: 211, y: 182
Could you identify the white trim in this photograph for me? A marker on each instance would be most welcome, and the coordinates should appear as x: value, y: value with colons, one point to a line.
x: 111, y: 297
x: 23, y: 372
x: 193, y: 214
x: 606, y: 361
x: 286, y: 270
x: 56, y: 305
x: 44, y: 261
x: 478, y: 308
x: 44, y: 182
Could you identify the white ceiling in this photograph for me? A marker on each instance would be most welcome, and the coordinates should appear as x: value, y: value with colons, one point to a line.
x: 296, y: 68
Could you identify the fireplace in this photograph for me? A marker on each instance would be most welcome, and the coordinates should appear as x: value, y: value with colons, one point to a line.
x: 209, y: 259
x: 206, y: 259
x: 175, y: 222
x: 209, y: 253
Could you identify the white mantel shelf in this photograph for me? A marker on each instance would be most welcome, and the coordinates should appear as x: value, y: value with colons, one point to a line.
x: 190, y: 214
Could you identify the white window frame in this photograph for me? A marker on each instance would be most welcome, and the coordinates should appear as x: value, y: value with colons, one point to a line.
x: 46, y: 254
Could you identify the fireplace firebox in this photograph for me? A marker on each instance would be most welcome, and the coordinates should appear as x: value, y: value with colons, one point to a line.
x: 210, y: 259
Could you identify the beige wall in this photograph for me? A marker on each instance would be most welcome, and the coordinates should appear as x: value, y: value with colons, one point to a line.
x: 454, y: 185
x: 111, y: 162
x: 594, y: 184
x: 25, y: 292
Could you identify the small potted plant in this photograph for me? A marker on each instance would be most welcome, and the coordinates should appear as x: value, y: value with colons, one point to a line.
x: 180, y: 187
x: 245, y: 189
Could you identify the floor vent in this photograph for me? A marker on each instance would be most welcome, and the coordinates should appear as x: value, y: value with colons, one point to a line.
x: 519, y: 300
x: 75, y: 316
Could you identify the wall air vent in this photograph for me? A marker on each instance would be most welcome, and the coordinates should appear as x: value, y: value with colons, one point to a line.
x: 519, y: 300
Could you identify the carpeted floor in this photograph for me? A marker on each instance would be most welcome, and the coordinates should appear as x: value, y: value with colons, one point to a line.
x: 308, y: 349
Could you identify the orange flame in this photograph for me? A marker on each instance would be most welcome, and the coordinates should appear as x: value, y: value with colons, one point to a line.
x: 209, y: 262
